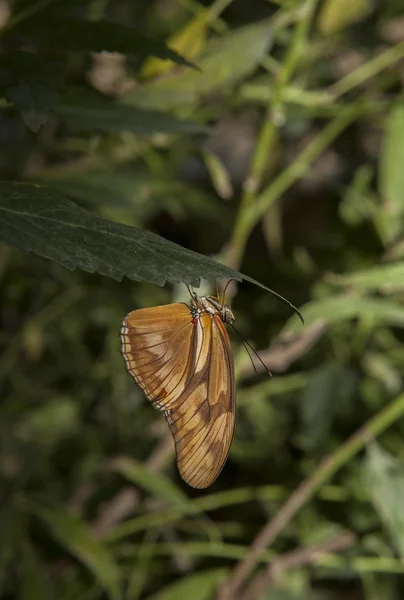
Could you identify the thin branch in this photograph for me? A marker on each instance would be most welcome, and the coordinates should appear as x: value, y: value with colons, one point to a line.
x: 365, y: 72
x: 292, y: 560
x: 286, y: 350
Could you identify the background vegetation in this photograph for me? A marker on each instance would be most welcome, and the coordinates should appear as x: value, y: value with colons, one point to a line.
x: 278, y: 149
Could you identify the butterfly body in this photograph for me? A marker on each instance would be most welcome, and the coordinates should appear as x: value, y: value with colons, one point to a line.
x: 180, y: 355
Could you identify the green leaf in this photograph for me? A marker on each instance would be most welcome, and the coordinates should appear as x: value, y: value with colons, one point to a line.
x: 77, y: 538
x: 384, y: 477
x: 47, y: 223
x: 87, y: 111
x: 142, y: 193
x: 33, y: 101
x: 155, y: 484
x: 200, y: 586
x: 379, y: 367
x: 358, y: 203
x: 158, y: 486
x: 34, y: 584
x: 216, y: 549
x: 31, y: 85
x: 391, y: 174
x: 76, y: 35
x: 338, y: 14
x: 50, y: 422
x: 221, y: 64
x: 342, y: 308
x: 384, y: 277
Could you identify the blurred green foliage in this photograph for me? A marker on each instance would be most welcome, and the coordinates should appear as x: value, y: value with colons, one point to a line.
x: 268, y: 135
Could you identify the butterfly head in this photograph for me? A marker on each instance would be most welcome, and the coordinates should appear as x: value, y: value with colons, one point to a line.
x: 212, y: 305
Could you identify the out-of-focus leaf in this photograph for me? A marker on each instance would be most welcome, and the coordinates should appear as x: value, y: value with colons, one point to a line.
x: 31, y: 85
x: 134, y: 190
x: 216, y: 549
x: 34, y: 584
x: 155, y: 483
x: 222, y: 64
x: 328, y: 393
x: 34, y: 101
x: 380, y: 368
x: 50, y: 422
x: 75, y: 35
x: 338, y: 14
x: 77, y: 538
x: 342, y: 308
x: 160, y: 487
x: 358, y: 205
x: 220, y: 176
x: 391, y: 176
x: 188, y: 42
x: 49, y: 224
x: 87, y: 111
x: 384, y: 476
x: 386, y: 277
x: 200, y: 586
x: 142, y: 565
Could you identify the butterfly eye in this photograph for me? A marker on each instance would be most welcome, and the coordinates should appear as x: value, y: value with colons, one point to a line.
x: 228, y: 316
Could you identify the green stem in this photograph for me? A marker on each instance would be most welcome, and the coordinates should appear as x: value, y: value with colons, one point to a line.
x: 367, y: 71
x: 267, y: 136
x: 290, y: 175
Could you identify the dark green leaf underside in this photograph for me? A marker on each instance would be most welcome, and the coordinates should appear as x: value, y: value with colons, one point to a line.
x: 43, y: 221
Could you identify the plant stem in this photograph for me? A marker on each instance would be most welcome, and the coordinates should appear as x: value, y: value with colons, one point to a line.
x: 253, y: 213
x: 267, y: 137
x: 292, y: 173
x: 367, y: 71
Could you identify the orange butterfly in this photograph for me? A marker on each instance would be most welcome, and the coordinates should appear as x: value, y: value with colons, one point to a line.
x: 181, y: 357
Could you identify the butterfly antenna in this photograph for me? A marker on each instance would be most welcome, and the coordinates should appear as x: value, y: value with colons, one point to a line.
x: 249, y: 348
x: 190, y: 290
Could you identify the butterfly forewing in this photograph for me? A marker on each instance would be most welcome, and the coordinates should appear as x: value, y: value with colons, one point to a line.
x: 185, y: 367
x: 156, y: 344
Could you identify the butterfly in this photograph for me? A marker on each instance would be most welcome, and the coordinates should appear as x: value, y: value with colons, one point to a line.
x: 181, y: 357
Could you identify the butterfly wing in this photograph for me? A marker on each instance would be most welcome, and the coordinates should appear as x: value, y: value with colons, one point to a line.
x: 157, y: 345
x: 202, y: 423
x: 185, y: 368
